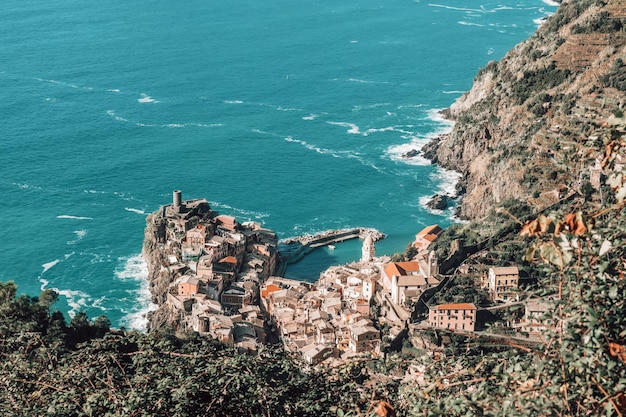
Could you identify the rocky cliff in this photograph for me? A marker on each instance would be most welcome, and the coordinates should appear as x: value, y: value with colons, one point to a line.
x: 519, y: 131
x: 159, y: 278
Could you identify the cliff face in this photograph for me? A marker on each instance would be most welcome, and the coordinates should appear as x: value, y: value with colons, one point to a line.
x: 519, y: 130
x: 159, y: 278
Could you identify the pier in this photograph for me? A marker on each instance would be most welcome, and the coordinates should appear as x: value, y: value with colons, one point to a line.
x: 292, y: 250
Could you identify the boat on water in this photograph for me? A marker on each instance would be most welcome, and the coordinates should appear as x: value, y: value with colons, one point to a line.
x: 331, y: 247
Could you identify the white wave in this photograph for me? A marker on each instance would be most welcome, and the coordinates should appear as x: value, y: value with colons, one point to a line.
x: 144, y: 98
x: 248, y: 213
x: 397, y: 152
x: 49, y: 265
x: 116, y: 117
x: 360, y: 81
x: 63, y: 83
x: 67, y: 216
x: 310, y: 117
x: 76, y: 300
x: 97, y: 258
x: 98, y: 303
x: 114, y: 90
x: 80, y: 234
x: 204, y: 124
x: 358, y: 108
x: 263, y: 132
x: 453, y: 91
x: 233, y: 101
x: 410, y: 106
x: 165, y: 125
x: 134, y: 210
x: 321, y: 151
x: 436, y: 116
x: 490, y: 51
x: 379, y: 130
x: 51, y: 100
x: 552, y: 3
x: 462, y: 9
x: 461, y: 22
x: 354, y: 129
x: 447, y: 180
x: 135, y: 268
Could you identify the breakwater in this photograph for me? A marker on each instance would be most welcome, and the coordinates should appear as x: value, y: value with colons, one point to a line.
x: 292, y: 250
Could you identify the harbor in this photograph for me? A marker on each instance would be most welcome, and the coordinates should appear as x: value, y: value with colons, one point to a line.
x: 292, y: 250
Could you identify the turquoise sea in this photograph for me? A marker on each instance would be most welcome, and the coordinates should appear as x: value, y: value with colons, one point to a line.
x: 292, y: 113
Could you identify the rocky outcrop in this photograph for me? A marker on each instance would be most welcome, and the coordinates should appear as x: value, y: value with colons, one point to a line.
x: 159, y: 278
x: 438, y: 202
x: 518, y: 129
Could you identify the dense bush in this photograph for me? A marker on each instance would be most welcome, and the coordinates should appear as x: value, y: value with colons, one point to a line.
x: 599, y: 23
x: 616, y: 77
x: 535, y: 82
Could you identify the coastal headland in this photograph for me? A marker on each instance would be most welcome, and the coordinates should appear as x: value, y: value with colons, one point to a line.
x: 206, y: 262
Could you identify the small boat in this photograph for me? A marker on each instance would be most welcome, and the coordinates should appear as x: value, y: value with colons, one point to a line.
x: 331, y: 247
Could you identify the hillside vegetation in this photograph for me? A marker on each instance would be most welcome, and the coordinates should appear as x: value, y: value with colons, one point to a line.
x: 520, y: 131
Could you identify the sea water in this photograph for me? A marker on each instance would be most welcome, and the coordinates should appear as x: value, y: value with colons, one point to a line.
x: 293, y: 113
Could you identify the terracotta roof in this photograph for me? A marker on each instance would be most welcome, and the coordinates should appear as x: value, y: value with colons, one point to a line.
x: 229, y: 259
x: 401, y: 268
x: 431, y: 230
x: 460, y: 306
x: 431, y: 237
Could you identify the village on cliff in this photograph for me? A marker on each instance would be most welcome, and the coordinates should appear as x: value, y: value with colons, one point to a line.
x: 222, y: 278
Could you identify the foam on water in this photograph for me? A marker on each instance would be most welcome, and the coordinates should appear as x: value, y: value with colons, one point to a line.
x: 397, y: 152
x: 314, y: 148
x: 461, y: 22
x: 136, y: 269
x: 49, y: 265
x: 68, y: 216
x: 80, y: 234
x: 134, y: 210
x: 354, y: 129
x: 77, y: 300
x: 249, y: 214
x: 360, y: 81
x: 447, y: 180
x: 144, y: 98
x: 461, y: 9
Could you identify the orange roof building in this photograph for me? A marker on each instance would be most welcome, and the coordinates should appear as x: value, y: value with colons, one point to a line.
x: 398, y: 269
x: 427, y: 236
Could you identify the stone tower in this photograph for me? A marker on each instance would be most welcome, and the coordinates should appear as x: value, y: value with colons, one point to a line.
x: 177, y: 200
x: 369, y: 249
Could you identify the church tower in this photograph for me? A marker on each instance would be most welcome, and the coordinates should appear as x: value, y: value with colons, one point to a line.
x: 369, y: 249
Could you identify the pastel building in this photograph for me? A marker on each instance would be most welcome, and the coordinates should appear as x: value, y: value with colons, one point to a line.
x: 453, y: 316
x: 503, y: 283
x: 427, y: 236
x: 406, y: 281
